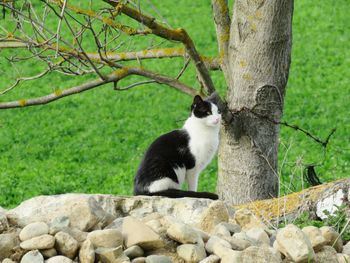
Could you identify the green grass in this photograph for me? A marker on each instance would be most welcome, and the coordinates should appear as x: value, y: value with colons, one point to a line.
x: 93, y: 142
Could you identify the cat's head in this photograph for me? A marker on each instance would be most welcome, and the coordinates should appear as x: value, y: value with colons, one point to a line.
x: 206, y: 111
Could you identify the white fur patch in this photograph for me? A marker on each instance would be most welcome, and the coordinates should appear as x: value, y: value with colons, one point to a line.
x: 180, y: 173
x: 162, y: 184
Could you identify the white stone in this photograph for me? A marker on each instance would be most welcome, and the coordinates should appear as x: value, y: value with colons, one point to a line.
x: 33, y: 256
x: 211, y: 259
x: 59, y: 259
x: 111, y: 255
x: 191, y: 253
x: 66, y: 245
x: 136, y: 232
x: 106, y: 238
x: 330, y: 204
x: 216, y: 241
x: 134, y: 252
x: 87, y: 252
x: 7, y: 260
x: 315, y: 236
x: 216, y: 213
x: 48, y: 253
x: 40, y: 242
x: 183, y: 233
x: 58, y: 224
x: 346, y: 249
x: 294, y: 244
x: 33, y: 230
x: 343, y: 258
x: 263, y: 253
x: 158, y: 259
x: 258, y: 235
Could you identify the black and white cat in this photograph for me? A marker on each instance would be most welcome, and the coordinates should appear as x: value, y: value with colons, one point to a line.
x: 179, y: 156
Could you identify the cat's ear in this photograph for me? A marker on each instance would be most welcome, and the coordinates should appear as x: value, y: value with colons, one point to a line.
x: 197, y: 99
x: 213, y: 97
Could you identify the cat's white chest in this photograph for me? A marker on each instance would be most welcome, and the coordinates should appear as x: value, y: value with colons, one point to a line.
x: 203, y: 149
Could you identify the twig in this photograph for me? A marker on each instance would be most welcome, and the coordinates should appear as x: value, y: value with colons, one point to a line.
x: 135, y: 85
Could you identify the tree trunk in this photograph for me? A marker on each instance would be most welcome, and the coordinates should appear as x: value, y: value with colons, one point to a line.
x: 259, y: 59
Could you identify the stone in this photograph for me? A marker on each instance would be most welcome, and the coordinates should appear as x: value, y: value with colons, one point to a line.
x: 243, y: 236
x: 108, y: 238
x: 216, y: 241
x: 216, y: 213
x: 33, y: 256
x: 156, y: 226
x: 134, y: 252
x: 66, y: 245
x: 211, y: 259
x: 139, y: 260
x: 183, y: 233
x: 59, y: 259
x: 87, y: 252
x: 238, y: 243
x: 7, y: 242
x: 221, y: 230
x: 346, y: 249
x: 247, y: 219
x: 330, y: 203
x: 315, y: 235
x: 227, y: 255
x: 158, y: 259
x: 84, y: 211
x: 111, y: 255
x: 58, y: 224
x: 41, y: 242
x: 136, y: 232
x: 48, y: 253
x: 294, y: 244
x: 116, y: 224
x: 204, y: 235
x: 33, y: 230
x: 191, y: 253
x: 326, y: 254
x: 7, y: 260
x: 332, y: 238
x: 258, y: 235
x: 232, y: 228
x: 4, y: 225
x: 262, y: 254
x: 343, y: 258
x: 77, y: 234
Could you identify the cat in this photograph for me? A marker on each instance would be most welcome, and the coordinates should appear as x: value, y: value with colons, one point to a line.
x: 180, y: 155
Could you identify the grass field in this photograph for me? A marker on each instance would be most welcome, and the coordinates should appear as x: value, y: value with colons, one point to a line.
x: 93, y: 142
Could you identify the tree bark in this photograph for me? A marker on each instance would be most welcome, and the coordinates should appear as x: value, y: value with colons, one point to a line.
x: 259, y: 59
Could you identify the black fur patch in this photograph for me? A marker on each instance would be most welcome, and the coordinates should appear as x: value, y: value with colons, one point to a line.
x: 167, y: 152
x: 201, y: 108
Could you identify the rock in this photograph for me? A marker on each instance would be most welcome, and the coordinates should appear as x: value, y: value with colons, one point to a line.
x: 204, y: 236
x: 258, y: 235
x: 108, y: 238
x: 243, y: 236
x: 183, y: 233
x: 330, y: 202
x: 232, y: 228
x: 343, y: 258
x: 216, y: 241
x: 139, y: 260
x: 41, y: 242
x: 4, y: 225
x: 326, y: 254
x: 87, y: 252
x: 83, y: 211
x: 33, y: 230
x: 33, y: 256
x: 137, y: 233
x: 7, y: 242
x: 221, y: 230
x: 213, y: 215
x: 66, y: 245
x: 77, y: 234
x: 7, y: 260
x: 332, y: 238
x: 227, y: 255
x: 247, y: 219
x: 158, y: 259
x: 134, y: 252
x: 238, y: 243
x: 191, y: 253
x: 59, y: 259
x: 111, y: 255
x: 262, y: 254
x: 18, y: 253
x: 346, y: 249
x: 58, y: 224
x: 315, y: 236
x: 116, y: 224
x: 294, y: 244
x: 211, y: 259
x: 48, y: 253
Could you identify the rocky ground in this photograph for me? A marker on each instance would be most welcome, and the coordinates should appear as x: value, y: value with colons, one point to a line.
x: 111, y: 229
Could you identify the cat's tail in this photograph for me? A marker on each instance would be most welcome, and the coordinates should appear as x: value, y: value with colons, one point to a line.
x: 175, y: 193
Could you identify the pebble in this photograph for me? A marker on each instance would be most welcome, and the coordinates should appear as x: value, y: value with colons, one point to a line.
x: 66, y: 245
x: 87, y: 252
x: 41, y: 242
x: 183, y: 233
x: 134, y: 252
x: 191, y: 253
x: 157, y: 259
x: 33, y: 230
x: 59, y: 259
x: 33, y: 256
